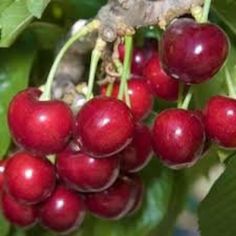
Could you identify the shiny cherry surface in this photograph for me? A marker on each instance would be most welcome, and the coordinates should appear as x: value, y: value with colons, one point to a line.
x: 17, y: 213
x: 85, y: 173
x: 178, y: 137
x: 28, y: 178
x: 104, y: 126
x: 220, y: 120
x: 39, y: 126
x: 137, y: 155
x: 2, y: 171
x: 115, y: 202
x: 63, y: 212
x: 193, y: 52
x: 162, y: 85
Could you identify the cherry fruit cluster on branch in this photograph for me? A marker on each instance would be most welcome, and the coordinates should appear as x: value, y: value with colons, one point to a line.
x: 99, y: 150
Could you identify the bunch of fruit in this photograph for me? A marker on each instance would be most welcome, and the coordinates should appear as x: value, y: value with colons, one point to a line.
x: 99, y: 151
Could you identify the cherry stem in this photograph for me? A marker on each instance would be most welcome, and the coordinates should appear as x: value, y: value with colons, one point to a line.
x: 180, y: 96
x: 109, y: 89
x: 126, y: 69
x: 229, y: 82
x: 95, y: 57
x: 92, y: 26
x: 187, y: 99
x: 206, y: 10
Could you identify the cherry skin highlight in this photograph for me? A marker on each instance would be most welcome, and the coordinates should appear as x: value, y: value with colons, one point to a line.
x: 115, y: 202
x: 28, y: 178
x: 220, y: 121
x: 17, y: 213
x: 104, y: 126
x: 85, y: 173
x: 39, y: 126
x: 2, y: 171
x: 63, y: 212
x: 137, y: 155
x: 193, y: 52
x: 162, y: 85
x: 141, y: 100
x: 178, y: 137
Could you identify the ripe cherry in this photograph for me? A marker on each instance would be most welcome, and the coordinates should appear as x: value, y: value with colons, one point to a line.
x: 193, y: 52
x: 115, y: 202
x: 178, y: 137
x: 39, y: 126
x: 220, y: 121
x: 28, y: 178
x: 161, y: 84
x: 141, y: 99
x: 104, y: 126
x: 16, y: 213
x: 136, y: 156
x: 63, y: 212
x: 2, y: 171
x: 85, y: 173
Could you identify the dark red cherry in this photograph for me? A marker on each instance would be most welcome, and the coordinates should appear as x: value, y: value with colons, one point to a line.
x: 16, y: 213
x: 104, y: 126
x: 39, y: 126
x: 28, y: 178
x: 161, y: 84
x: 220, y: 121
x: 2, y: 171
x: 150, y: 48
x: 178, y: 137
x: 136, y: 156
x: 139, y: 194
x: 85, y: 173
x: 193, y: 52
x: 115, y: 202
x: 63, y: 212
x: 140, y: 97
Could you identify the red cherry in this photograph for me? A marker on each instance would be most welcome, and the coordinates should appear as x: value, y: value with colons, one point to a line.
x: 85, y: 173
x: 104, y: 126
x: 178, y: 137
x: 193, y: 52
x: 115, y: 202
x: 39, y: 126
x: 28, y: 178
x: 161, y: 85
x: 136, y: 156
x: 2, y: 171
x: 16, y: 213
x: 140, y: 97
x: 220, y: 121
x: 63, y: 212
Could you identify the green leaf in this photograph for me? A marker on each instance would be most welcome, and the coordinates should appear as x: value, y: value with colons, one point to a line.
x: 4, y: 4
x: 217, y: 212
x: 226, y: 11
x: 36, y: 8
x: 4, y: 226
x: 15, y: 69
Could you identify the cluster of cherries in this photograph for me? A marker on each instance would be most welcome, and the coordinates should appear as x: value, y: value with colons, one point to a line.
x: 99, y: 151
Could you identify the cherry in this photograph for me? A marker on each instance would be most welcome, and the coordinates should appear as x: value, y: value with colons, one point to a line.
x: 16, y: 213
x: 28, y: 178
x: 136, y: 156
x: 178, y: 137
x: 150, y: 47
x: 193, y: 52
x: 115, y: 202
x: 85, y: 173
x: 39, y: 126
x: 2, y: 171
x: 220, y: 120
x: 63, y: 212
x: 161, y: 85
x: 140, y: 97
x: 104, y: 126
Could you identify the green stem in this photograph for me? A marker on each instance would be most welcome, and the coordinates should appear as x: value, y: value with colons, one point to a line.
x: 206, y: 10
x: 187, y: 99
x: 230, y: 85
x: 109, y: 89
x: 126, y: 69
x: 81, y: 33
x: 95, y: 57
x: 127, y: 97
x: 180, y: 97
